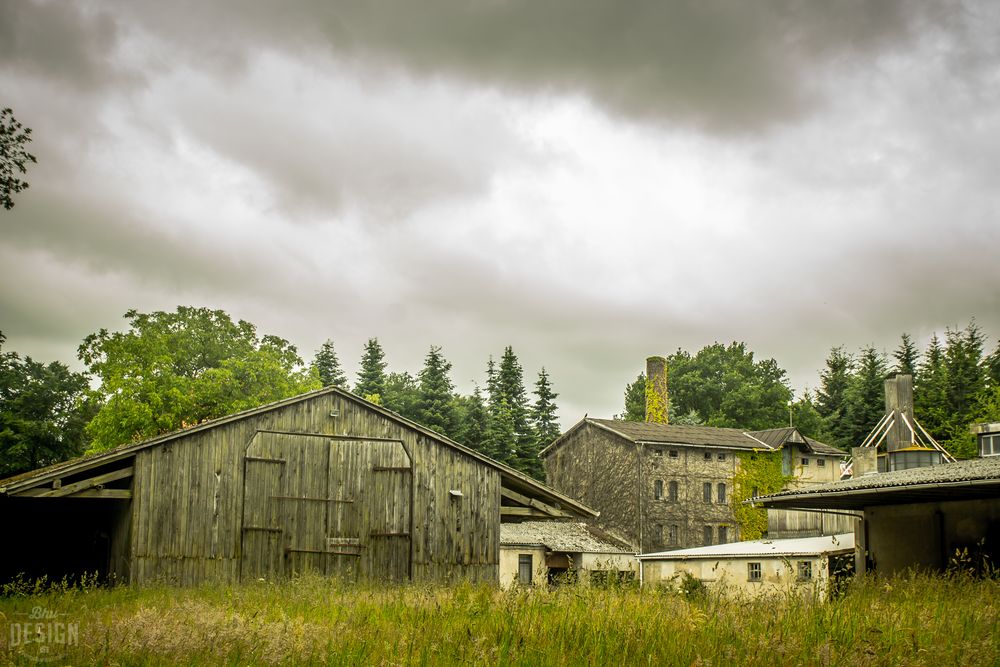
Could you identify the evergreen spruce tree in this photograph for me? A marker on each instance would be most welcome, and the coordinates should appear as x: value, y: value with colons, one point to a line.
x: 906, y: 357
x: 966, y: 387
x: 930, y: 392
x: 371, y: 374
x: 866, y: 395
x: 474, y: 430
x: 510, y: 385
x: 328, y: 366
x: 832, y: 398
x: 502, y: 434
x: 435, y: 409
x: 545, y: 424
x: 992, y: 364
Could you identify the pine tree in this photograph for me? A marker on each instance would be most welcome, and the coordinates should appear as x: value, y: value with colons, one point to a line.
x: 866, y: 395
x: 906, y: 357
x: 371, y: 374
x: 930, y: 392
x: 501, y: 433
x: 435, y: 409
x: 510, y: 384
x: 328, y: 366
x: 545, y: 424
x: 832, y: 397
x: 474, y: 431
x: 635, y: 400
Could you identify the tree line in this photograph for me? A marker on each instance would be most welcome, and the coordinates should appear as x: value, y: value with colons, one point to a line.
x: 956, y: 384
x: 171, y: 370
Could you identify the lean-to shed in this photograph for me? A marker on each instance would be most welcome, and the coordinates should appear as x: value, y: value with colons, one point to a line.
x: 325, y: 481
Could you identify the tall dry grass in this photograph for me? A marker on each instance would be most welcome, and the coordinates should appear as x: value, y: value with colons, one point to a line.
x: 917, y: 620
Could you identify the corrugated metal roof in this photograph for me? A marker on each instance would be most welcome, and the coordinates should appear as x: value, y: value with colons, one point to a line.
x: 973, y: 478
x: 800, y: 546
x: 711, y: 436
x: 565, y: 536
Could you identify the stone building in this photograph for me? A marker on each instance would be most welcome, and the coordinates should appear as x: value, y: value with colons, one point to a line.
x: 669, y: 487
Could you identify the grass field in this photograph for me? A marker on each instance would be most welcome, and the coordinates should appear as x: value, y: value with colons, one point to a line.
x: 917, y: 620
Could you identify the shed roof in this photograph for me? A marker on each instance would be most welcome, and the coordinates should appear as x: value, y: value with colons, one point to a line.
x: 799, y: 546
x: 565, y: 536
x: 510, y: 477
x: 705, y: 436
x: 961, y: 480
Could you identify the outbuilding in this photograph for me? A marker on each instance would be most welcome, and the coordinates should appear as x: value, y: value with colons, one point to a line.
x: 540, y: 552
x: 324, y: 481
x: 755, y: 568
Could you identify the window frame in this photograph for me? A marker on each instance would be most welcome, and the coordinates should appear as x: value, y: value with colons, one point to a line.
x: 720, y: 493
x: 525, y: 577
x: 706, y: 492
x: 804, y: 570
x: 723, y: 532
x: 673, y: 491
x: 707, y: 535
x: 658, y: 489
x: 755, y: 571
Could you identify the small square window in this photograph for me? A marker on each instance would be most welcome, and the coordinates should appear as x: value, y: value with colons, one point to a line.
x: 805, y: 570
x: 658, y: 451
x: 673, y: 453
x: 722, y: 456
x: 805, y: 461
x: 753, y: 572
x: 708, y: 456
x: 821, y: 463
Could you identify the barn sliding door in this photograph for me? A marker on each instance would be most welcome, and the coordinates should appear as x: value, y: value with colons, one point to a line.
x: 332, y: 505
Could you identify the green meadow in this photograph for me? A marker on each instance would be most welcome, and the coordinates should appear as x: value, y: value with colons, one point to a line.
x: 914, y: 620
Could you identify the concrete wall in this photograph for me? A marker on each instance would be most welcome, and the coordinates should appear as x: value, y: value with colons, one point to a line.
x: 509, y: 559
x: 730, y: 576
x: 927, y: 535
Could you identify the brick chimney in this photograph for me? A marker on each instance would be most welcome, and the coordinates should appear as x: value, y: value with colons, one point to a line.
x: 656, y: 390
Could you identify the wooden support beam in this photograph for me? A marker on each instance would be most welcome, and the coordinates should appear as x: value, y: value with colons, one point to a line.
x: 103, y: 493
x: 507, y: 510
x: 533, y: 503
x: 75, y: 488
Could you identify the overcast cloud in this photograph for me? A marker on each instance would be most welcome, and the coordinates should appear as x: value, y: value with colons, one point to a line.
x: 590, y: 182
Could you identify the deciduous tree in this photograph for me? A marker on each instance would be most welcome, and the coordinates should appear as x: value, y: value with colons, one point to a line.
x: 14, y: 157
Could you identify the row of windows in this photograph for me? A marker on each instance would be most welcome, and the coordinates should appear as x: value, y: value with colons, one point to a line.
x: 803, y: 571
x: 819, y: 462
x: 673, y: 490
x: 673, y: 454
x: 669, y: 535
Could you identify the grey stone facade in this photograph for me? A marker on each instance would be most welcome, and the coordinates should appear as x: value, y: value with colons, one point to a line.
x: 665, y: 487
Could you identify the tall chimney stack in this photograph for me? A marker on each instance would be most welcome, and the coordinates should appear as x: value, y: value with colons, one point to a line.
x: 656, y: 390
x: 898, y: 402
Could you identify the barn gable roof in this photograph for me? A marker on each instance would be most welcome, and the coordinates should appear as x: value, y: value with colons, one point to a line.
x: 510, y: 478
x: 702, y: 436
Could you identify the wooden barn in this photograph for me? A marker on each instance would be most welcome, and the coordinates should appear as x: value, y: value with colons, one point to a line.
x: 324, y: 482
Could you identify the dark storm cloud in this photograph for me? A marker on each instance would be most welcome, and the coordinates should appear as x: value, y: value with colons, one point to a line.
x: 721, y: 65
x: 66, y: 42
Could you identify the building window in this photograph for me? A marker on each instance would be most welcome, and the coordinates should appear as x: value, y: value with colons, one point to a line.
x: 721, y: 493
x: 673, y: 454
x: 805, y: 461
x: 706, y: 492
x: 658, y: 534
x: 722, y: 456
x: 658, y: 489
x: 707, y: 535
x: 672, y: 535
x: 658, y: 451
x: 805, y: 569
x: 989, y: 444
x: 723, y: 534
x: 673, y: 491
x: 753, y: 572
x: 820, y: 463
x: 524, y: 569
x: 708, y: 456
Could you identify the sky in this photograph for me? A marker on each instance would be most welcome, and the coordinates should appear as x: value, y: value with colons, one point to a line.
x: 588, y: 182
